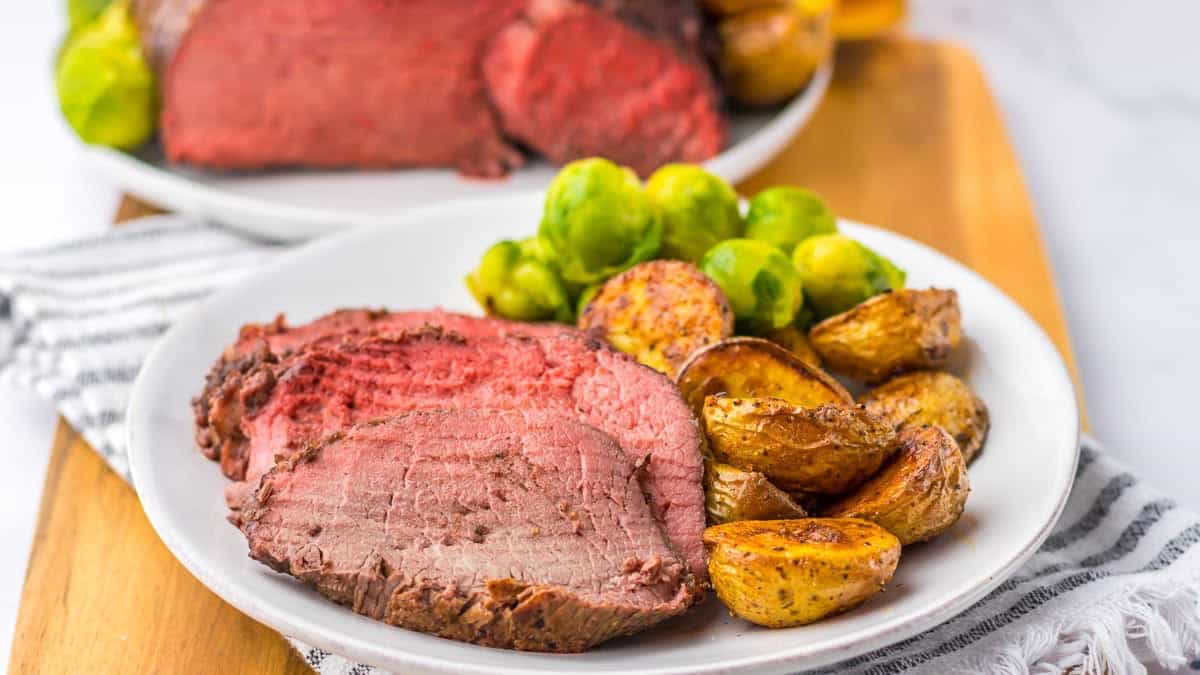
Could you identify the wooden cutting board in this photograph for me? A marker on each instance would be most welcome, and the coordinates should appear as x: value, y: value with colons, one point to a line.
x: 908, y: 138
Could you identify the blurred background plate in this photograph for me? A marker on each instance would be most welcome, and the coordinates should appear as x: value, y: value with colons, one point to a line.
x: 302, y: 204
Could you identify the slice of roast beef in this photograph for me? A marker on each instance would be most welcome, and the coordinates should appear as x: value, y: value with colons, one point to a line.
x: 268, y: 342
x: 284, y: 404
x: 572, y: 80
x: 505, y: 528
x: 254, y: 84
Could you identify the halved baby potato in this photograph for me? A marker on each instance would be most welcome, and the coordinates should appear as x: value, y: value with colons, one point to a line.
x: 784, y: 573
x: 891, y: 333
x: 659, y: 312
x: 732, y: 494
x: 752, y: 367
x: 828, y: 449
x: 919, y: 494
x: 932, y: 397
x: 795, y: 341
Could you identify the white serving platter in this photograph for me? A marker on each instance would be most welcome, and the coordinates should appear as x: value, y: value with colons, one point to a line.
x: 1019, y: 483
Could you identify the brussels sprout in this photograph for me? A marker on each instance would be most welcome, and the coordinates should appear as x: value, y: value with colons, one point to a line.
x: 786, y: 215
x: 597, y: 221
x: 698, y: 210
x: 762, y: 285
x: 513, y: 283
x: 838, y: 273
x: 105, y: 88
x: 81, y: 12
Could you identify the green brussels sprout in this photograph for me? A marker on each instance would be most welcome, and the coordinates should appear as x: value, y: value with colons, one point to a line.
x: 597, y: 221
x: 786, y: 216
x: 82, y: 12
x: 698, y: 210
x: 838, y: 273
x: 513, y: 283
x: 106, y: 91
x: 762, y: 285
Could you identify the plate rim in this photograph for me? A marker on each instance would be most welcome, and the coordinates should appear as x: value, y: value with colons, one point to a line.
x: 290, y: 222
x: 301, y: 628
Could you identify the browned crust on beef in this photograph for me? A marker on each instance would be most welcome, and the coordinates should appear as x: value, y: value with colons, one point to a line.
x: 506, y: 613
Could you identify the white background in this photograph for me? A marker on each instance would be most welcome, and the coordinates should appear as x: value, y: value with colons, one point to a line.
x: 1102, y: 100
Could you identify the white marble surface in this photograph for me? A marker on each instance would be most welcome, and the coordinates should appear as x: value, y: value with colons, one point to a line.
x: 1102, y: 100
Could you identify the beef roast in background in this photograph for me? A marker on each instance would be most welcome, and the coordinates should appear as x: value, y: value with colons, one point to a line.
x: 277, y: 402
x: 570, y: 80
x: 253, y: 84
x: 508, y: 529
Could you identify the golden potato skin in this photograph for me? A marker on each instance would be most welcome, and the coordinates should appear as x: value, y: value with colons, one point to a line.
x: 753, y: 367
x: 660, y: 312
x: 919, y: 494
x: 784, y: 573
x: 829, y: 449
x: 891, y: 333
x: 796, y: 341
x: 932, y: 397
x: 732, y: 494
x: 768, y: 54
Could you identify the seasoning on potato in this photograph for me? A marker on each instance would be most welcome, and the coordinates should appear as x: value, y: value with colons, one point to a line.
x: 932, y: 397
x: 699, y: 210
x: 919, y: 494
x: 732, y: 494
x: 659, y: 312
x: 829, y: 449
x: 891, y: 333
x: 759, y: 280
x: 795, y: 341
x: 749, y: 367
x: 793, y: 572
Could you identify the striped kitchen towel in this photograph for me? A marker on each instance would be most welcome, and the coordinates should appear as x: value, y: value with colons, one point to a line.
x: 1116, y: 586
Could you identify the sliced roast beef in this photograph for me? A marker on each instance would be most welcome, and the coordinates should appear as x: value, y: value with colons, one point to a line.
x: 280, y: 405
x: 255, y: 84
x: 260, y: 343
x: 571, y: 80
x: 505, y: 528
x: 251, y: 84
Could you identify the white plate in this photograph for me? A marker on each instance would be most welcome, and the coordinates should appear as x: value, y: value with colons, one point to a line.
x: 419, y: 263
x: 296, y: 205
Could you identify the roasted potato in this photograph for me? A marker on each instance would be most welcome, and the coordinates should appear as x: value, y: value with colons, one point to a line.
x: 753, y: 367
x: 795, y: 341
x: 660, y: 312
x: 891, y: 333
x: 919, y: 494
x: 768, y: 54
x: 733, y: 494
x: 931, y: 397
x: 829, y: 449
x: 791, y: 572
